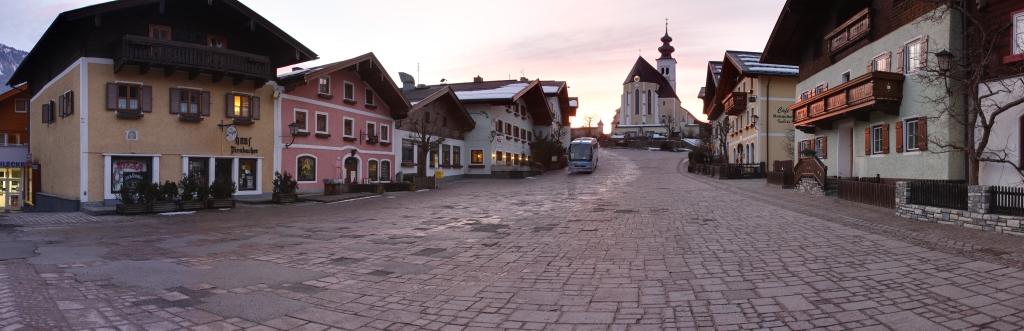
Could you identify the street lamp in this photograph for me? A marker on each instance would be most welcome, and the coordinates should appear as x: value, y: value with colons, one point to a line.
x: 753, y: 119
x: 945, y: 58
x: 293, y: 129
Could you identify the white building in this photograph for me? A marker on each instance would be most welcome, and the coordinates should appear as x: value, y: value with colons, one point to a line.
x: 649, y: 104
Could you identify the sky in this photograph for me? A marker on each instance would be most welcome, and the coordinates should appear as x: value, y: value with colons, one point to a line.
x: 591, y: 44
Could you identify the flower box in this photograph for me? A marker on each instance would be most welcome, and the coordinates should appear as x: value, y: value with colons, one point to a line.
x: 190, y: 205
x: 164, y: 206
x: 214, y: 203
x: 132, y: 209
x: 285, y: 197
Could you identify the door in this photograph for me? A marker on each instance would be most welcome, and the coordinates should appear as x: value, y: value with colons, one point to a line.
x: 200, y: 166
x: 844, y: 147
x: 222, y: 169
x: 351, y: 170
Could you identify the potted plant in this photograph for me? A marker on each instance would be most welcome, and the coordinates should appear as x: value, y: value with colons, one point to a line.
x: 190, y: 186
x: 809, y: 153
x: 166, y: 197
x: 130, y: 201
x: 221, y: 193
x: 285, y: 187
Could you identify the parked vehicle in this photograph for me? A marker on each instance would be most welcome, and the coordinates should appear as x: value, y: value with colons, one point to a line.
x: 583, y: 155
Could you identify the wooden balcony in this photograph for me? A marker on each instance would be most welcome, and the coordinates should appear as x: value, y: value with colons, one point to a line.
x: 735, y: 103
x: 878, y: 91
x: 192, y: 58
x: 854, y: 29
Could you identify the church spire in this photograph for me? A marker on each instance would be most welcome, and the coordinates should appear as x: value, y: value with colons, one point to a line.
x: 666, y: 48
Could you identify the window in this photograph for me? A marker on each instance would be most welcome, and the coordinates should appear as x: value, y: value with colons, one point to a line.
x: 649, y: 105
x: 845, y: 77
x: 915, y: 55
x: 305, y: 169
x: 350, y: 92
x: 243, y: 107
x: 476, y: 156
x: 349, y: 127
x: 371, y: 132
x: 636, y: 102
x: 189, y: 102
x: 499, y: 156
x: 247, y: 176
x: 301, y: 121
x: 321, y: 123
x: 159, y: 32
x: 1018, y: 33
x: 821, y: 88
x: 129, y: 172
x: 500, y: 127
x: 385, y: 133
x: 408, y: 152
x: 805, y: 95
x: 433, y: 157
x: 385, y: 170
x: 369, y: 97
x: 456, y: 156
x: 66, y: 104
x: 877, y: 139
x: 446, y: 155
x: 508, y: 129
x: 216, y: 41
x: 820, y: 147
x: 128, y: 97
x: 323, y: 86
x: 882, y: 62
x: 508, y: 159
x: 48, y: 112
x: 515, y: 132
x: 910, y: 135
x: 20, y: 105
x: 529, y: 137
x: 371, y: 170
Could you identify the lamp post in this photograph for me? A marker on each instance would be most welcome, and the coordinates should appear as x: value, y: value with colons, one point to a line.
x: 757, y: 132
x: 293, y: 129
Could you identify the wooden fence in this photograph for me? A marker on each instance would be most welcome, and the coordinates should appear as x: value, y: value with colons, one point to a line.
x: 782, y: 174
x: 1006, y: 200
x: 871, y: 192
x: 938, y: 194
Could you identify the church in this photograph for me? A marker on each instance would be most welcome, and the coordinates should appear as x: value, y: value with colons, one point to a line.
x: 649, y: 104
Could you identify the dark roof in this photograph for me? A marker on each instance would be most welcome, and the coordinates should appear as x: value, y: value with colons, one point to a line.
x: 443, y: 94
x: 649, y: 74
x: 715, y: 69
x: 302, y: 53
x: 17, y: 90
x: 368, y: 67
x: 419, y: 93
x: 505, y: 91
x: 790, y: 35
x: 749, y: 64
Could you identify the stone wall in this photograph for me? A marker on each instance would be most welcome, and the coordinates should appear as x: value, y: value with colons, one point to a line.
x: 809, y: 186
x: 977, y: 216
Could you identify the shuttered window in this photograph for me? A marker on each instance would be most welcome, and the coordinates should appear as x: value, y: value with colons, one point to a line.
x: 821, y: 147
x: 66, y: 104
x: 242, y: 107
x: 915, y: 55
x: 881, y: 62
x: 879, y: 137
x: 189, y: 102
x: 20, y: 105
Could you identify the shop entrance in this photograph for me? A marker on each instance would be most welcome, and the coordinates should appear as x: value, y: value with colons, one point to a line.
x: 222, y: 169
x: 10, y: 187
x: 351, y: 170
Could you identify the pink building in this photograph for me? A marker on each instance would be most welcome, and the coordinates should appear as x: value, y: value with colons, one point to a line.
x: 344, y: 115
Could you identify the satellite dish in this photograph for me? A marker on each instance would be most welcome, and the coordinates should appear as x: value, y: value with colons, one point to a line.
x: 231, y: 133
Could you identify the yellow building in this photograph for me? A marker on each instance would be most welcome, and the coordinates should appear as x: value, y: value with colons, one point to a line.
x: 149, y: 91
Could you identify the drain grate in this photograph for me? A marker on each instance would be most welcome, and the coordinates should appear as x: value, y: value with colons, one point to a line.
x: 428, y: 251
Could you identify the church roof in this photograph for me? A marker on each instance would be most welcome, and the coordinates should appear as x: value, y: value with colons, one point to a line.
x: 648, y: 74
x: 749, y: 64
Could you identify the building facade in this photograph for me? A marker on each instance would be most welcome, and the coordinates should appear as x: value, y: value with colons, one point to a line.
x: 15, y: 162
x: 1003, y: 22
x: 861, y: 99
x: 121, y: 95
x: 343, y: 115
x: 649, y: 106
x: 436, y: 113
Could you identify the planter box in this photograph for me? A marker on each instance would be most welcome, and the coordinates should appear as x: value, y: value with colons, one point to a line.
x: 190, y: 205
x: 220, y: 203
x: 285, y: 197
x: 132, y: 209
x: 333, y: 189
x: 422, y: 183
x: 399, y: 187
x: 164, y: 206
x: 367, y: 188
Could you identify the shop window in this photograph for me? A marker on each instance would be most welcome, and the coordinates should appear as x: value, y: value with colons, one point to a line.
x: 129, y: 172
x: 476, y: 156
x: 446, y: 153
x: 323, y: 86
x: 305, y: 169
x: 408, y: 156
x: 433, y: 157
x: 247, y: 175
x: 200, y: 166
x: 499, y: 157
x: 456, y: 156
x: 385, y: 170
x: 371, y: 170
x: 301, y: 121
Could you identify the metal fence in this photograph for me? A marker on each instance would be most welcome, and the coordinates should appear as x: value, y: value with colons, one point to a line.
x: 867, y: 191
x: 938, y: 194
x: 1006, y: 200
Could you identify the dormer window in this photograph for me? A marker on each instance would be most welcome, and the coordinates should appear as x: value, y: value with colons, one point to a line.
x: 323, y: 86
x: 216, y: 41
x: 159, y: 32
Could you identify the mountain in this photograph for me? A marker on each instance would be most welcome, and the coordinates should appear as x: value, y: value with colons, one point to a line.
x: 9, y: 60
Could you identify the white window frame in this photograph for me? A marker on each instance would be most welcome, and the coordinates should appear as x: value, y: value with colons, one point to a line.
x: 912, y: 66
x: 26, y: 103
x: 818, y: 146
x: 1017, y: 36
x: 376, y: 173
x: 375, y: 128
x: 907, y: 146
x: 877, y: 137
x: 887, y: 56
x: 384, y: 128
x: 316, y: 168
x: 320, y: 84
x: 846, y: 76
x: 369, y: 98
x: 344, y: 91
x: 327, y: 122
x: 306, y: 124
x: 344, y: 125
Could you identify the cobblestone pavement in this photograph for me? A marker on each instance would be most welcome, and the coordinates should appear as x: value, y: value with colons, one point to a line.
x: 634, y: 246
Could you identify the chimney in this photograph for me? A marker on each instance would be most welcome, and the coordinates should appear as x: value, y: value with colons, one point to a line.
x: 297, y: 69
x: 478, y: 79
x: 408, y: 82
x: 523, y: 79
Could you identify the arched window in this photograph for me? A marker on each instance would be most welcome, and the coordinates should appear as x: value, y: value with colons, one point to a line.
x: 371, y: 170
x: 305, y: 168
x: 636, y: 102
x: 649, y: 106
x: 385, y: 170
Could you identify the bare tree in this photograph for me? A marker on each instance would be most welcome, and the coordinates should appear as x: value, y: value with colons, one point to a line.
x: 426, y: 136
x: 720, y: 138
x: 970, y: 99
x: 667, y: 122
x: 588, y: 121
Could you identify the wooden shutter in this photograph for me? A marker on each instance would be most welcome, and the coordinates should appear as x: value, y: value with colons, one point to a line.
x: 899, y: 136
x: 885, y: 138
x: 60, y: 105
x: 227, y: 105
x: 52, y: 113
x: 867, y: 141
x: 254, y: 107
x: 146, y: 98
x: 45, y: 113
x: 204, y: 104
x: 175, y: 97
x: 922, y: 133
x: 70, y: 102
x: 899, y: 59
x: 111, y: 96
x: 824, y: 147
x: 924, y: 52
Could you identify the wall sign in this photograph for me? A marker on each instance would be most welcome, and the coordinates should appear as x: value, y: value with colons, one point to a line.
x: 243, y: 145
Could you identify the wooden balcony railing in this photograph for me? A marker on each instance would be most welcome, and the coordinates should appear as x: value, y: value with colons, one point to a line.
x: 735, y: 103
x: 849, y: 32
x: 176, y: 55
x: 811, y: 167
x: 878, y: 90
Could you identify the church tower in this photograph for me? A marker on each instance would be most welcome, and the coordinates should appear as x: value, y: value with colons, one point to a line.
x: 667, y: 64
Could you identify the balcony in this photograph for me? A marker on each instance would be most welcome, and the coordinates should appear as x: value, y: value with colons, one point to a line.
x: 851, y: 31
x: 192, y: 58
x: 878, y: 90
x: 735, y: 103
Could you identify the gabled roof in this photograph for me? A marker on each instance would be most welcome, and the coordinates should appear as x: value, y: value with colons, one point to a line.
x: 715, y: 70
x: 440, y: 94
x: 552, y: 87
x: 649, y: 74
x: 749, y: 64
x: 18, y: 89
x: 368, y: 67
